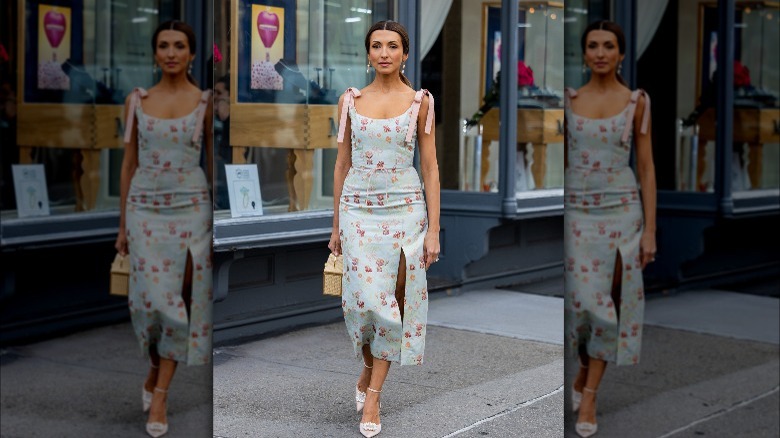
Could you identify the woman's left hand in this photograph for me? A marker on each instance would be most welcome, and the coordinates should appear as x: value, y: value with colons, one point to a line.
x: 431, y: 248
x: 647, y: 248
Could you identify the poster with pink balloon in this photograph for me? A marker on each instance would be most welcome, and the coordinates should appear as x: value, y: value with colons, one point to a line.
x: 54, y: 31
x: 267, y: 46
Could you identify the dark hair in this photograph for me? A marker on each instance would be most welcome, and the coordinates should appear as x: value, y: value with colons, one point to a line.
x: 179, y: 26
x: 608, y: 26
x: 398, y: 28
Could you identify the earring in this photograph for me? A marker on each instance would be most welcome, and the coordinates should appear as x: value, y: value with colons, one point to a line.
x: 584, y: 68
x: 368, y: 67
x: 620, y: 69
x: 189, y: 69
x: 154, y: 69
x: 403, y: 69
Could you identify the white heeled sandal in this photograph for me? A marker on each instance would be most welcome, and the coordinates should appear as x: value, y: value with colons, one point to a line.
x: 585, y: 429
x: 157, y: 429
x: 146, y: 396
x: 360, y: 396
x: 370, y: 429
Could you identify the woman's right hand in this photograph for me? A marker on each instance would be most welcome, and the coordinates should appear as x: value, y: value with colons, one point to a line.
x: 335, y: 242
x: 121, y: 242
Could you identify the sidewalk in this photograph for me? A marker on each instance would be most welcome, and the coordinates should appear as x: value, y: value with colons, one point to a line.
x: 493, y: 367
x: 89, y: 385
x: 710, y: 366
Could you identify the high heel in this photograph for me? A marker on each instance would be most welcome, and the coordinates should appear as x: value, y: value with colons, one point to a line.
x: 585, y: 429
x: 576, y: 396
x: 146, y: 396
x: 157, y: 429
x: 370, y: 429
x: 360, y: 396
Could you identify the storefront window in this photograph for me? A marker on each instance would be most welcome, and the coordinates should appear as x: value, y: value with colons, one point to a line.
x: 290, y: 62
x: 468, y: 92
x: 691, y: 126
x: 756, y: 131
x: 540, y: 99
x: 77, y: 62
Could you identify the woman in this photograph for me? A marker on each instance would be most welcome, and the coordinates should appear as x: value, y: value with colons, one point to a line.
x: 609, y: 229
x: 389, y: 234
x: 165, y: 221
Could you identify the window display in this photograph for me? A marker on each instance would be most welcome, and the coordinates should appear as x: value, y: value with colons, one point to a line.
x: 77, y: 61
x: 291, y: 62
x: 540, y: 90
x: 756, y: 110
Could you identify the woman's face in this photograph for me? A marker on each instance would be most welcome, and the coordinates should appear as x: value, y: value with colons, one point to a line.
x: 386, y: 53
x: 172, y: 52
x: 602, y: 53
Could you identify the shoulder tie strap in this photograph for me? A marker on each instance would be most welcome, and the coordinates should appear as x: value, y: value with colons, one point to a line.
x: 349, y: 100
x: 200, y: 115
x: 135, y: 102
x: 416, y: 111
x: 632, y: 110
x: 568, y: 94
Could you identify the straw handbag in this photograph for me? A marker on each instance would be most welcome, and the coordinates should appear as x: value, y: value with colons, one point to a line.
x: 331, y: 276
x: 120, y: 275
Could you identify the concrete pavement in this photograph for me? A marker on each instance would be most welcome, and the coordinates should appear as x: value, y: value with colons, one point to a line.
x: 485, y: 374
x: 710, y: 366
x: 89, y: 385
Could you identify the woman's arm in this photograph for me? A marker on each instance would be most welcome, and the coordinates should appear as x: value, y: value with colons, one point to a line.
x: 646, y: 171
x: 430, y: 175
x: 129, y: 165
x: 343, y: 164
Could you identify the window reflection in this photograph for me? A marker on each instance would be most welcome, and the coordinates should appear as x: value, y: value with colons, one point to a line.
x: 288, y: 74
x: 77, y: 61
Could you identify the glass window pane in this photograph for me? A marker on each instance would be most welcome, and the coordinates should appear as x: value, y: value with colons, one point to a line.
x: 289, y: 74
x: 756, y: 143
x: 80, y: 61
x: 460, y: 62
x: 540, y: 98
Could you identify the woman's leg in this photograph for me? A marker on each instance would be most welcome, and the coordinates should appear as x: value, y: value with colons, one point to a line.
x: 596, y: 367
x: 365, y: 373
x: 378, y: 373
x: 167, y: 367
x: 157, y: 413
x: 400, y: 285
x: 378, y: 376
x: 154, y: 368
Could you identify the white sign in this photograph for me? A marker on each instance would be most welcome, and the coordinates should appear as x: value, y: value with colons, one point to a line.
x: 32, y: 197
x: 244, y: 190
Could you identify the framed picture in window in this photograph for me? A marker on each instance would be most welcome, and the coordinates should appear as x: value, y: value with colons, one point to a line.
x: 53, y: 59
x: 267, y: 71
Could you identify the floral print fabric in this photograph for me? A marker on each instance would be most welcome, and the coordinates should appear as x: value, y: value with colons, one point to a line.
x: 168, y: 215
x: 381, y: 213
x: 603, y: 220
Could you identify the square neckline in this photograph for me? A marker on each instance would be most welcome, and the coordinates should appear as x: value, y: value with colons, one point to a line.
x: 354, y: 108
x: 628, y: 105
x: 601, y: 118
x: 145, y: 114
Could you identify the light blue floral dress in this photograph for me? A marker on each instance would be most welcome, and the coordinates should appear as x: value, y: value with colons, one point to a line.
x: 169, y: 214
x: 603, y: 218
x: 381, y: 213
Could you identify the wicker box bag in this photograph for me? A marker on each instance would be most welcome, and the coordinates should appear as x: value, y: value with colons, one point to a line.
x: 331, y: 276
x: 120, y: 275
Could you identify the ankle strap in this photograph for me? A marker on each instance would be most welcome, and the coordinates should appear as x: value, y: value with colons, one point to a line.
x: 155, y: 366
x: 589, y: 390
x: 156, y: 389
x: 369, y: 367
x: 374, y: 390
